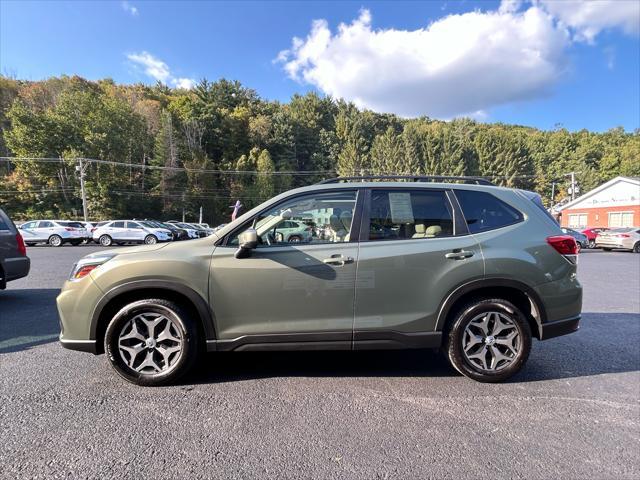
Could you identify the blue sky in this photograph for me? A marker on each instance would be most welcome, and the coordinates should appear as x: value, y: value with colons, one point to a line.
x: 536, y: 64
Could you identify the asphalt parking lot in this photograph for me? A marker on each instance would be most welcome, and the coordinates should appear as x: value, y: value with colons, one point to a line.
x: 573, y: 412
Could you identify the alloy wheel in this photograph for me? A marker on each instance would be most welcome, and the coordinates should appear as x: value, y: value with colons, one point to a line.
x: 491, y: 341
x: 150, y: 343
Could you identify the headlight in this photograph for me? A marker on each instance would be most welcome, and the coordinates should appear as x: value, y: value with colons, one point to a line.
x: 85, y: 265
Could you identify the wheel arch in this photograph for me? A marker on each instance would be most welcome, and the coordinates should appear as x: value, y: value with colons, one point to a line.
x: 518, y: 293
x: 121, y: 295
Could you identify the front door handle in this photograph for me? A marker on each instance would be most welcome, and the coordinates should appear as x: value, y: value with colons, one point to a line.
x: 459, y: 255
x: 337, y: 260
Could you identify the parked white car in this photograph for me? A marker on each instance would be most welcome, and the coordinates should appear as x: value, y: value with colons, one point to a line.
x: 53, y: 232
x: 129, y: 231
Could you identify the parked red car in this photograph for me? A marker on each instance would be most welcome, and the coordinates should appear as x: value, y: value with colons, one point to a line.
x: 592, y: 233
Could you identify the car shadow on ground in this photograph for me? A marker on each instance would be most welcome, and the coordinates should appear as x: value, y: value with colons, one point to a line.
x: 606, y: 343
x: 28, y: 317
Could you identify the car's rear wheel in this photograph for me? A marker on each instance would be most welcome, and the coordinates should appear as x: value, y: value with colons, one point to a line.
x: 75, y: 243
x: 636, y: 248
x: 592, y: 244
x: 151, y: 342
x: 106, y: 240
x: 489, y: 340
x: 150, y: 240
x: 295, y: 239
x: 55, y: 240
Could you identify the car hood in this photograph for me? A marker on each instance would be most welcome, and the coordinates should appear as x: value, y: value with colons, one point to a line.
x: 134, y: 249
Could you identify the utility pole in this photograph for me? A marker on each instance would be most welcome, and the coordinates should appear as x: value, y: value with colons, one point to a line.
x: 553, y: 193
x: 200, y: 221
x: 81, y: 168
x: 574, y: 186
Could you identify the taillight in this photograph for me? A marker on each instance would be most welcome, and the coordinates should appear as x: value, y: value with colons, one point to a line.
x: 565, y: 245
x: 22, y: 248
x: 68, y: 229
x: 93, y: 229
x: 622, y: 235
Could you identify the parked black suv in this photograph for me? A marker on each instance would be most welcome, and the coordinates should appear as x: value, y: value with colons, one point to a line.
x: 14, y: 262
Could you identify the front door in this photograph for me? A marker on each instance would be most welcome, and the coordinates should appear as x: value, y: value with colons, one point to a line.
x: 284, y: 288
x: 410, y: 259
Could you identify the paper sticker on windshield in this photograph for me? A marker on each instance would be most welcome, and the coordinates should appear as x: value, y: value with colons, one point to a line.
x: 401, y: 210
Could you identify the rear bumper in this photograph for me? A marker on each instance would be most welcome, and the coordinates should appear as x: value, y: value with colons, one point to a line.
x: 15, y: 268
x: 559, y: 327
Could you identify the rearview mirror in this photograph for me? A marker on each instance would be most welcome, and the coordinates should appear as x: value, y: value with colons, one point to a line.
x: 248, y: 240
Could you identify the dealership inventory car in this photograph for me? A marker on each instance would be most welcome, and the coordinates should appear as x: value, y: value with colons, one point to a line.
x: 430, y: 262
x: 14, y: 262
x: 581, y: 238
x: 53, y: 232
x: 130, y: 231
x: 591, y: 234
x: 625, y: 238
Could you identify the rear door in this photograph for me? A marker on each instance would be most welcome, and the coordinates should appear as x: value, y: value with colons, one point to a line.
x: 117, y: 231
x: 414, y: 249
x: 44, y: 230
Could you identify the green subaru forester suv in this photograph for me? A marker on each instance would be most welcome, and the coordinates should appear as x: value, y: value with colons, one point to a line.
x: 421, y: 262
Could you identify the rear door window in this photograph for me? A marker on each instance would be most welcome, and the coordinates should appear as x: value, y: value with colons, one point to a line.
x: 409, y: 214
x: 483, y: 211
x: 117, y: 225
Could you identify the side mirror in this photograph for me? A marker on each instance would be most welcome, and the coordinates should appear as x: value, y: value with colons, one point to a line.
x: 248, y: 240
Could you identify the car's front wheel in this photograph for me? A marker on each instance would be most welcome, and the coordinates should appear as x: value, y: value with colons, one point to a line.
x: 150, y: 240
x: 151, y: 342
x: 636, y: 248
x: 489, y: 340
x: 592, y: 244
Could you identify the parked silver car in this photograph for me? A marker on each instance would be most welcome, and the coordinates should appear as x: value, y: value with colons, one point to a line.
x: 625, y: 238
x: 53, y: 232
x: 130, y: 231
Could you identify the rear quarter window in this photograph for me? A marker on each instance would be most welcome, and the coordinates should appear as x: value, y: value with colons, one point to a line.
x: 483, y: 211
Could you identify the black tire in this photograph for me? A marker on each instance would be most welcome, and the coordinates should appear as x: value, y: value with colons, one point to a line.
x: 453, y: 346
x: 105, y: 240
x: 295, y: 239
x: 592, y: 244
x: 185, y: 325
x: 606, y: 249
x: 55, y: 241
x: 75, y: 243
x: 150, y: 240
x: 29, y: 244
x: 636, y: 248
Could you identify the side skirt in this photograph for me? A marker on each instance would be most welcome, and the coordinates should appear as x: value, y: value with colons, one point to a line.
x: 362, y: 340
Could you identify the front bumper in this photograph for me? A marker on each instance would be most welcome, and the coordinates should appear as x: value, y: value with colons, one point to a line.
x: 559, y: 327
x: 75, y: 309
x: 88, y: 346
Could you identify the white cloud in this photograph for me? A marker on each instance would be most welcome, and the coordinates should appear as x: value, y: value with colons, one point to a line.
x: 588, y: 18
x: 186, y: 83
x: 458, y: 64
x: 159, y: 70
x: 130, y: 9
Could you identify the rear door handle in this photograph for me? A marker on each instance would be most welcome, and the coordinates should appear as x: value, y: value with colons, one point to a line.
x: 337, y: 260
x: 459, y: 255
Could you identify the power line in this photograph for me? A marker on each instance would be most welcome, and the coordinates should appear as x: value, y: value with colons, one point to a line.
x: 171, y: 169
